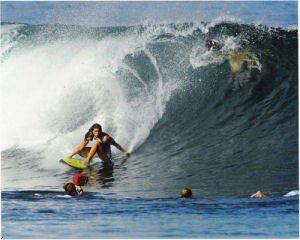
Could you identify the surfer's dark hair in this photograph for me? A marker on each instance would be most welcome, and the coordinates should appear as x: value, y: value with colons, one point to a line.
x: 70, y: 189
x: 90, y: 134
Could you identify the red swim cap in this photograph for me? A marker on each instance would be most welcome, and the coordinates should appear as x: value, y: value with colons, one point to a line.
x: 79, y: 179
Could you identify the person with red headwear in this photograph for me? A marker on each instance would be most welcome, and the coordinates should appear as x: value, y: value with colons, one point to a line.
x: 75, y: 188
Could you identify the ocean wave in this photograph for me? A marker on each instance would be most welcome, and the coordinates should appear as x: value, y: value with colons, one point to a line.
x: 160, y: 95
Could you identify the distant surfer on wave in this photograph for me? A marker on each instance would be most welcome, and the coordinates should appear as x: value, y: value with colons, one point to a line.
x: 241, y: 63
x: 101, y: 145
x: 211, y: 45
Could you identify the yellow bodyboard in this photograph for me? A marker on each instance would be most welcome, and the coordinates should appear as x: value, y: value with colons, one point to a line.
x: 75, y: 163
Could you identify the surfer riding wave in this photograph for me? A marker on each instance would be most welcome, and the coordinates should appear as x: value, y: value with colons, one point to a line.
x: 101, y: 146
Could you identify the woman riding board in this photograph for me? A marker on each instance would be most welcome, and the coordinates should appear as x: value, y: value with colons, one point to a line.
x: 101, y: 145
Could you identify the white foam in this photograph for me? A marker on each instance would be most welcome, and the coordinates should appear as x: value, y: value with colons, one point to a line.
x: 53, y: 92
x: 292, y: 193
x: 201, y: 58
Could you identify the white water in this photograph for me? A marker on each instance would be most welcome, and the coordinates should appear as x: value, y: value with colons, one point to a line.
x: 52, y: 93
x: 53, y: 90
x: 200, y: 57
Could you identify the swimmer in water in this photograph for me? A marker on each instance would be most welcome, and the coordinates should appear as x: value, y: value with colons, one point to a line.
x: 71, y: 189
x: 186, y: 193
x: 75, y: 188
x: 80, y: 180
x: 259, y: 194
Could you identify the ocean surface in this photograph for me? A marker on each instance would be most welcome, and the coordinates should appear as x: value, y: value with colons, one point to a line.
x: 50, y: 214
x: 155, y: 90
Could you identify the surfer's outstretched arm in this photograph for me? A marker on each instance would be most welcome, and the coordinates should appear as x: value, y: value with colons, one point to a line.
x: 118, y: 146
x: 80, y: 147
x: 253, y: 61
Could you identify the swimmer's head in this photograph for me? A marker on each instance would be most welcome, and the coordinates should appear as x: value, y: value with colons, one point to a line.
x: 186, y: 193
x: 70, y: 189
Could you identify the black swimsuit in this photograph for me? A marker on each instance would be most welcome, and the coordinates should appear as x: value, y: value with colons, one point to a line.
x: 106, y: 146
